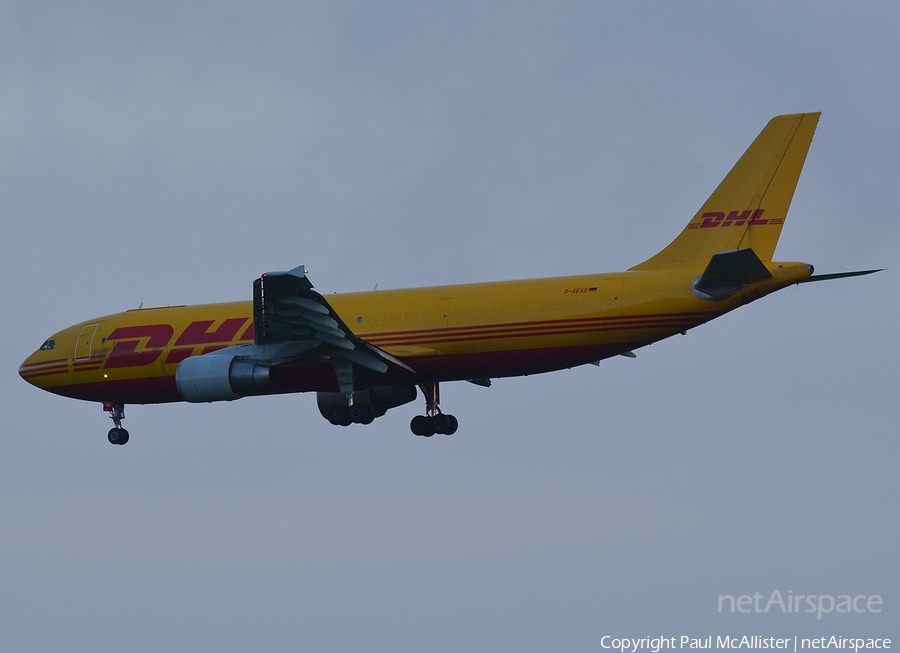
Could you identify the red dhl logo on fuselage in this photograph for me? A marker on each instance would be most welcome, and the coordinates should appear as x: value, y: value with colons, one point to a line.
x: 125, y: 352
x: 733, y: 219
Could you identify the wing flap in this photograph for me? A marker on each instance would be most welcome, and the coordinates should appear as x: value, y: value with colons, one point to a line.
x: 287, y: 311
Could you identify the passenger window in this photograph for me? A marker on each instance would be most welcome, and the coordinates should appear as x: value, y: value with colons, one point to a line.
x: 48, y: 345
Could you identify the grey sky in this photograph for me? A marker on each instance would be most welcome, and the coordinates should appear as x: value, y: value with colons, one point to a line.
x: 168, y: 154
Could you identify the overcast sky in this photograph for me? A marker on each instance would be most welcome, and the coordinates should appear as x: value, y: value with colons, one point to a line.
x: 169, y: 153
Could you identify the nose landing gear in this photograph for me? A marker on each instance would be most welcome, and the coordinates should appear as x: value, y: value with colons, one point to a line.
x: 433, y: 421
x: 117, y: 435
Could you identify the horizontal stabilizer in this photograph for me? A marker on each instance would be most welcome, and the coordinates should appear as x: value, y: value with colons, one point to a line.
x: 728, y: 273
x: 838, y: 275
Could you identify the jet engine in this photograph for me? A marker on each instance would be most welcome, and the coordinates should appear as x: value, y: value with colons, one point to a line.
x: 379, y: 399
x: 220, y: 377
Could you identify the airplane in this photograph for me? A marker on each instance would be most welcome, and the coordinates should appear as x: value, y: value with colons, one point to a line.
x: 364, y: 353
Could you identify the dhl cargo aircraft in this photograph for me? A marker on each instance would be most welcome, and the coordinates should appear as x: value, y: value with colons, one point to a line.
x: 364, y: 353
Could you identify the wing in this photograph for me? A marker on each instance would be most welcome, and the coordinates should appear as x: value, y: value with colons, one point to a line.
x: 288, y: 312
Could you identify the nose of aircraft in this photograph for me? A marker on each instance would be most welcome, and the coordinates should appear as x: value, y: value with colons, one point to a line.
x: 29, y: 368
x: 23, y: 368
x: 43, y: 364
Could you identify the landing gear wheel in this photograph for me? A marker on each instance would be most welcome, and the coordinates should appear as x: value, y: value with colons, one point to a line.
x: 422, y: 425
x: 117, y: 435
x: 361, y: 414
x: 116, y: 411
x: 334, y: 415
x: 439, y: 423
x: 451, y: 425
x: 339, y: 416
x: 444, y: 424
x: 433, y: 421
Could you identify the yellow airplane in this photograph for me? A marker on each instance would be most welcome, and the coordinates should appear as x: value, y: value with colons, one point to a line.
x: 365, y: 353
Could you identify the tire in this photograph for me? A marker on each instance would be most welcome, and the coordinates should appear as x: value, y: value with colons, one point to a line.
x: 362, y: 414
x: 117, y: 436
x: 452, y: 425
x: 369, y: 416
x: 421, y: 425
x: 439, y: 423
x: 336, y: 415
x: 445, y: 424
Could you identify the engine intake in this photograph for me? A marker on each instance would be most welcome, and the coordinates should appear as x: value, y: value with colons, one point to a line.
x: 220, y: 377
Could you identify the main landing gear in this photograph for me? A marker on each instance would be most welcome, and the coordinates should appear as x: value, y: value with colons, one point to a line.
x: 351, y: 413
x: 117, y: 435
x: 433, y: 421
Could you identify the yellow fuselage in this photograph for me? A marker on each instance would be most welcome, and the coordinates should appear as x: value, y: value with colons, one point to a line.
x: 443, y: 333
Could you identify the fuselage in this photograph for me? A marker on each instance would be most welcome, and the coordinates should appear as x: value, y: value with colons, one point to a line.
x: 443, y: 333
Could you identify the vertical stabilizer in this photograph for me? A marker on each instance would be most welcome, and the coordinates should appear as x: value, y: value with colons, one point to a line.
x: 749, y: 207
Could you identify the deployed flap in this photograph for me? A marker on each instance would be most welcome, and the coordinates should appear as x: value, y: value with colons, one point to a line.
x: 286, y: 309
x: 729, y: 272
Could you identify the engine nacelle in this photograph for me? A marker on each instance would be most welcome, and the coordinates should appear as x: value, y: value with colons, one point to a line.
x: 381, y: 398
x: 220, y: 377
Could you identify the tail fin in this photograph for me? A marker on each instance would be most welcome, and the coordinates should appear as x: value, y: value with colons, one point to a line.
x: 748, y: 208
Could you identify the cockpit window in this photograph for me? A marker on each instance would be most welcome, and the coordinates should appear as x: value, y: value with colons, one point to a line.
x: 48, y: 345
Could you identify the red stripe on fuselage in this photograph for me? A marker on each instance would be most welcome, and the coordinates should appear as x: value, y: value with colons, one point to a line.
x: 47, y: 372
x: 702, y: 315
x: 55, y: 361
x: 549, y: 327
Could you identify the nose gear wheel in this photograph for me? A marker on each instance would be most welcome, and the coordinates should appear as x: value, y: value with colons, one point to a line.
x: 116, y: 435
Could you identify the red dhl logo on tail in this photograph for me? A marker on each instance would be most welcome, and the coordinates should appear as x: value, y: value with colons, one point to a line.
x: 733, y: 219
